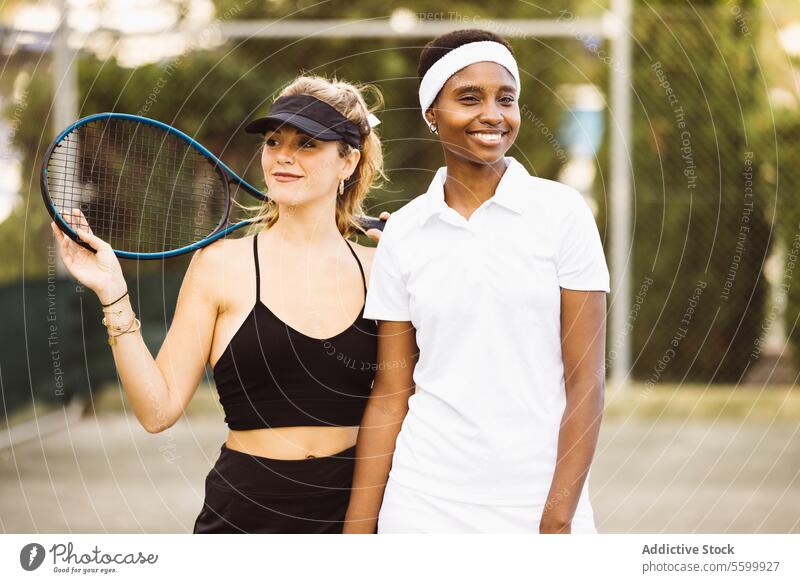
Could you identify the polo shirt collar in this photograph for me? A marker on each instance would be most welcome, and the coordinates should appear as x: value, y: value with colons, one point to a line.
x: 510, y: 193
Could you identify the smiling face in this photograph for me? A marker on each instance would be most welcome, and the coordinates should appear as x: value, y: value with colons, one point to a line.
x: 299, y: 169
x: 476, y: 113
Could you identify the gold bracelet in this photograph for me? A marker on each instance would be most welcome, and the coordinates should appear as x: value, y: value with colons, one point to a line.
x: 122, y: 328
x: 135, y: 325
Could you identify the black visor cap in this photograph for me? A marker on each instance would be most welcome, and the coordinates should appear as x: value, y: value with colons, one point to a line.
x: 310, y: 115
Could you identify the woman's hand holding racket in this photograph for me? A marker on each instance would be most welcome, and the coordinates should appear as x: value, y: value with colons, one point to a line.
x: 375, y: 234
x: 99, y: 270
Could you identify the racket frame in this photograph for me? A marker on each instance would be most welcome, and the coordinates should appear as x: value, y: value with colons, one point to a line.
x: 228, y: 175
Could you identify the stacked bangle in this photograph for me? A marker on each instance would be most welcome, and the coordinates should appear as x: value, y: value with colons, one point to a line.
x: 131, y: 326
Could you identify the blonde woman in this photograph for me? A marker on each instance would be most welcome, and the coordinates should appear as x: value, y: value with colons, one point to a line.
x: 277, y: 315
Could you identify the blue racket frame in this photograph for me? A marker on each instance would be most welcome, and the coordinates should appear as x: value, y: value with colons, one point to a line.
x: 225, y: 171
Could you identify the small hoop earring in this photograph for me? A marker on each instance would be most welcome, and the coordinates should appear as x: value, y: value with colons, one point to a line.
x: 341, y: 186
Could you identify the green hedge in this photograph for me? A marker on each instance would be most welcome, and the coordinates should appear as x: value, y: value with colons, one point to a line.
x: 701, y: 233
x: 54, y: 345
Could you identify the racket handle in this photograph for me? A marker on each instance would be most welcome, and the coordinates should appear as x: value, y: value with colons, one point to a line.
x: 368, y: 222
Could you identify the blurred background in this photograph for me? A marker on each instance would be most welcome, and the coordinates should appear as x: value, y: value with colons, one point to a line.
x: 679, y: 121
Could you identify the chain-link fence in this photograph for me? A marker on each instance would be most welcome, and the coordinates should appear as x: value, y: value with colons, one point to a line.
x: 711, y: 215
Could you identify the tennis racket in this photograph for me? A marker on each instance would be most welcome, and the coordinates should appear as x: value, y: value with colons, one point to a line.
x: 146, y: 188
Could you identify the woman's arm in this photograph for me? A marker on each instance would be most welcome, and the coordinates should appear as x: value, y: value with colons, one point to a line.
x: 158, y: 389
x: 386, y: 408
x: 583, y: 333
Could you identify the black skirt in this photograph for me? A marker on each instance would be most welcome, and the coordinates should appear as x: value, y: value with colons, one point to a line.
x: 251, y: 494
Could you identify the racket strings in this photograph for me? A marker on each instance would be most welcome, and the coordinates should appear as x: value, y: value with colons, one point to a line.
x: 141, y: 189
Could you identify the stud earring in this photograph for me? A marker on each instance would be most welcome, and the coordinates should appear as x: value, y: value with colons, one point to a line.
x: 434, y: 128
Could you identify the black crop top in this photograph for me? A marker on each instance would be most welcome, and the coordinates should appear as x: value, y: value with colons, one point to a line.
x: 271, y: 375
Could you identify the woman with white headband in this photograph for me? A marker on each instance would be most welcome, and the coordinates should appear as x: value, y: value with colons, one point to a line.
x: 490, y: 292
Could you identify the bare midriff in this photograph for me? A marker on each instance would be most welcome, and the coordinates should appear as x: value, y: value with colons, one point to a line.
x: 293, y: 443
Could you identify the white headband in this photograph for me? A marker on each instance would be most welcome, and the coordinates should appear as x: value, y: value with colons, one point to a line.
x: 457, y: 59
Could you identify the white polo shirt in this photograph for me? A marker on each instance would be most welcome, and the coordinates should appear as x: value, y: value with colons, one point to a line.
x: 483, y: 295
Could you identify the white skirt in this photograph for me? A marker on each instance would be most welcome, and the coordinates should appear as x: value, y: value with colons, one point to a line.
x: 405, y: 510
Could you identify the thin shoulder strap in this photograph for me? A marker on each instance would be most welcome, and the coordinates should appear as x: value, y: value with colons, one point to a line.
x: 361, y: 269
x: 258, y: 273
